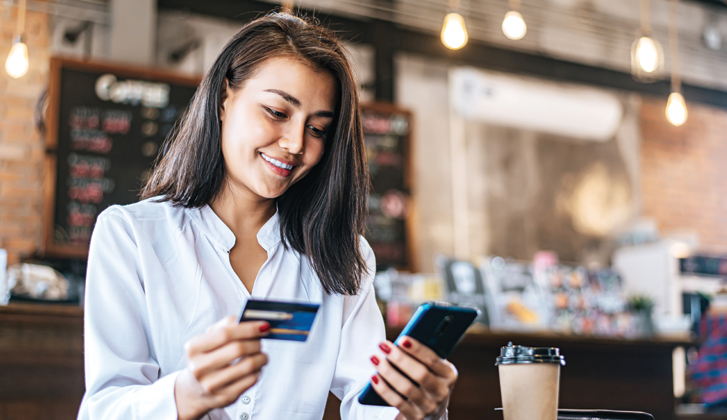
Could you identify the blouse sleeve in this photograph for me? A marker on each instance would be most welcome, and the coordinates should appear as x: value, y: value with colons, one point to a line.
x: 122, y: 377
x: 363, y: 330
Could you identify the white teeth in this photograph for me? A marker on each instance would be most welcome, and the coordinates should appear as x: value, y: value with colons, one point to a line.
x: 277, y: 163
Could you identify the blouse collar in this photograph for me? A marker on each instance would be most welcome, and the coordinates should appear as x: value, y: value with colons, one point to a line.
x: 219, y: 233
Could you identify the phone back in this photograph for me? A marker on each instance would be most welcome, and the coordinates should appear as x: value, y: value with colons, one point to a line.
x: 437, y: 326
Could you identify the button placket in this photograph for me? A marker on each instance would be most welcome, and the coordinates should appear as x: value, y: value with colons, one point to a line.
x: 246, y: 404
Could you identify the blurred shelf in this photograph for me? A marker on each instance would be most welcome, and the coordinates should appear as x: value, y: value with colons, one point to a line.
x: 482, y: 335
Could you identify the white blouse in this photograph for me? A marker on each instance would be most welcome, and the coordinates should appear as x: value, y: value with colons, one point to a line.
x: 159, y: 275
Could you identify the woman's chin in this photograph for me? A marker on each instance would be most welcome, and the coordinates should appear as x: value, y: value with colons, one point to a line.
x: 271, y: 193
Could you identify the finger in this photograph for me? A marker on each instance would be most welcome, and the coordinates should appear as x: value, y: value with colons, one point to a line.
x: 232, y: 392
x: 394, y: 399
x: 409, y: 365
x: 250, y: 329
x: 403, y: 385
x: 221, y: 323
x: 222, y: 333
x: 440, y: 367
x: 231, y: 351
x: 219, y: 379
x: 205, y: 363
x: 436, y: 386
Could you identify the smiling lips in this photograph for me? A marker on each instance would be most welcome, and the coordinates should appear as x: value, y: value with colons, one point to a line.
x: 280, y: 168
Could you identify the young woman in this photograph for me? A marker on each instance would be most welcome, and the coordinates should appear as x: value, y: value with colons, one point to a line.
x: 260, y: 193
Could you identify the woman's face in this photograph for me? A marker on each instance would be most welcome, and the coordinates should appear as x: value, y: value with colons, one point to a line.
x: 274, y: 128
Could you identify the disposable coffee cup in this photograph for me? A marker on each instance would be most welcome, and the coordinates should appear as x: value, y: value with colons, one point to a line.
x: 529, y: 382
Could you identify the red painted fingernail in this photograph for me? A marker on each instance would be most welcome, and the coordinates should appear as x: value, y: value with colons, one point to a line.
x: 375, y: 360
x: 406, y: 344
x: 264, y: 327
x: 385, y: 348
x: 375, y: 379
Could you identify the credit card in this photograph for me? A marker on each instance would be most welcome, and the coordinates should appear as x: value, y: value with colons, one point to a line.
x: 288, y: 320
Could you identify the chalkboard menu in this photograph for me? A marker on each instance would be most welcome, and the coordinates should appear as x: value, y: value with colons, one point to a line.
x: 105, y: 125
x: 387, y: 132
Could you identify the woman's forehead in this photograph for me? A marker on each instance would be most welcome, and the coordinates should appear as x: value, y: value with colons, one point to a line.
x: 297, y: 78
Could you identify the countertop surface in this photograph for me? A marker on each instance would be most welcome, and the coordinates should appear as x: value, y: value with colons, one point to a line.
x: 66, y: 314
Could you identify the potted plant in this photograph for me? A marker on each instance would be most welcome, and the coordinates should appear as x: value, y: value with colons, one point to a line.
x: 642, y: 308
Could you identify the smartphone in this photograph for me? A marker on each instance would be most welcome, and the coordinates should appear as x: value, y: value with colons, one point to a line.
x: 437, y: 325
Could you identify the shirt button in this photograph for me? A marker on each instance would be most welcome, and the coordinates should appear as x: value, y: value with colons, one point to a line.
x: 244, y: 416
x: 246, y: 400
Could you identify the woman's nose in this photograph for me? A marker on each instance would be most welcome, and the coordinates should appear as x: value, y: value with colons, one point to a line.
x: 293, y: 140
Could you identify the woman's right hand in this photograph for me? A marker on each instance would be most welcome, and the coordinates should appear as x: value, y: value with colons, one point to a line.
x: 211, y: 379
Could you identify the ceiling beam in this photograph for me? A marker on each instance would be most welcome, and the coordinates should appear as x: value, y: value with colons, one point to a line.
x: 483, y: 55
x: 476, y: 53
x: 352, y: 30
x: 717, y: 3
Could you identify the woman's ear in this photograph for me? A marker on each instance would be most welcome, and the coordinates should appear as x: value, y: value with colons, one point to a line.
x: 224, y: 96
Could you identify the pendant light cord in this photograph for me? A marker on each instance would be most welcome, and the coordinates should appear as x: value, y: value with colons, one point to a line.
x: 287, y: 6
x: 676, y: 82
x: 21, y: 18
x: 645, y: 21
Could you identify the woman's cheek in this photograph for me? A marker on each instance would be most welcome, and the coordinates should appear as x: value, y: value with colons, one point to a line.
x: 320, y: 148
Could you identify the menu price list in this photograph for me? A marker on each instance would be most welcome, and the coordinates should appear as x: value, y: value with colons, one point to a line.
x: 107, y: 142
x: 92, y: 133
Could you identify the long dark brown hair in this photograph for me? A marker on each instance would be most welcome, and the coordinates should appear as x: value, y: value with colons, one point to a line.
x: 321, y: 216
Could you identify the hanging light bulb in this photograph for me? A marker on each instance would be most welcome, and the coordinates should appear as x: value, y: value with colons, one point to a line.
x: 676, y: 109
x: 17, y: 63
x: 647, y: 57
x: 454, y: 31
x: 647, y: 54
x: 513, y: 26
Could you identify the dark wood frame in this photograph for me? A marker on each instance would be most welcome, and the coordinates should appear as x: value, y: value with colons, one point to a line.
x: 52, y: 126
x: 411, y: 219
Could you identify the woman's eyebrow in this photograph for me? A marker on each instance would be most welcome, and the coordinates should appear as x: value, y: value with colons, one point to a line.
x: 296, y: 103
x: 285, y: 95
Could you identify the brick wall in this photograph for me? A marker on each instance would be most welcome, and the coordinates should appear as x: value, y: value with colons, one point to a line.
x: 21, y: 144
x: 684, y: 171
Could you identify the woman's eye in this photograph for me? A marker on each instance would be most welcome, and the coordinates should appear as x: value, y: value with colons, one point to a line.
x: 317, y: 133
x: 276, y: 114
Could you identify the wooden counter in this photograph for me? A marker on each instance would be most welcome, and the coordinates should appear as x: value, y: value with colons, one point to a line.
x: 41, y: 368
x: 41, y: 362
x: 606, y: 373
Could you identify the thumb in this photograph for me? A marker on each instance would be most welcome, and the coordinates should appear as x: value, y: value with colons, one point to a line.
x: 222, y: 323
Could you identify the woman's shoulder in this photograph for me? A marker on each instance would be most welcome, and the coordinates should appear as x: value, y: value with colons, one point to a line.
x: 153, y: 227
x: 151, y: 212
x: 368, y: 255
x: 365, y: 248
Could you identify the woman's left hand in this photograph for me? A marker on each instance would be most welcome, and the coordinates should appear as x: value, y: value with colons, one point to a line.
x: 426, y: 395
